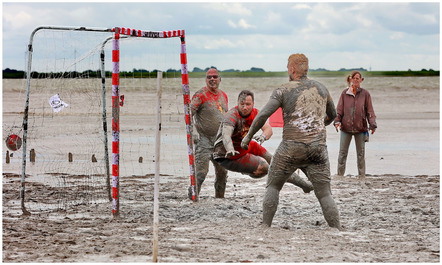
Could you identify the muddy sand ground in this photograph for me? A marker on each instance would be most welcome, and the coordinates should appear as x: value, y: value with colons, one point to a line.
x: 391, y: 216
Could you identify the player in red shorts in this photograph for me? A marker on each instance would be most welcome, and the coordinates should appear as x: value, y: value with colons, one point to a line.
x: 256, y: 159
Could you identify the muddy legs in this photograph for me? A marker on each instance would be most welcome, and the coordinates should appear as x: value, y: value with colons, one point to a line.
x: 295, y: 179
x: 328, y: 205
x: 270, y: 204
x: 220, y: 180
x: 322, y: 192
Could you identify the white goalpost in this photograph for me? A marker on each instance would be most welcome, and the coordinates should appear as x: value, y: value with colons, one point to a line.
x: 66, y: 142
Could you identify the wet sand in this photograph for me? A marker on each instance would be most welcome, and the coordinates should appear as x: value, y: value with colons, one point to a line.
x: 391, y: 216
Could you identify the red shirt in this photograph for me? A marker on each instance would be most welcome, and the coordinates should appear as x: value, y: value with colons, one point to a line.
x: 208, y: 110
x: 241, y: 127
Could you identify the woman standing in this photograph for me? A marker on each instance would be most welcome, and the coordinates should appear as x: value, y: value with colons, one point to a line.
x: 353, y: 111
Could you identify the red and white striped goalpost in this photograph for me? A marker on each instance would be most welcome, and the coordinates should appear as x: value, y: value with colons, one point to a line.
x: 116, y: 106
x: 116, y: 123
x: 116, y: 127
x: 116, y: 111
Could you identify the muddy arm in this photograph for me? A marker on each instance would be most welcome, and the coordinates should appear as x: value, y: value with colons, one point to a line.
x: 194, y: 106
x: 227, y: 132
x: 330, y: 111
x: 267, y: 130
x: 339, y: 110
x: 259, y: 121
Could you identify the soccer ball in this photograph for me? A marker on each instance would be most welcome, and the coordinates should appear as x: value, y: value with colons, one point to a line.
x: 13, y: 142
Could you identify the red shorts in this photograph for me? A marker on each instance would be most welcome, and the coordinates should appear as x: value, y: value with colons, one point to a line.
x: 254, y: 149
x: 247, y: 161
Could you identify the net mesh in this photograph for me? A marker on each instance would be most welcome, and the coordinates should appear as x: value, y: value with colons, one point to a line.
x: 70, y: 161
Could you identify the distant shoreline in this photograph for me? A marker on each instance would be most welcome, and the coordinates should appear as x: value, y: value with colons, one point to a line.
x: 323, y: 73
x: 93, y: 74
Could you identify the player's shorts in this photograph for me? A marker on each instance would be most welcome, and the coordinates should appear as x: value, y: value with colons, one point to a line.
x: 290, y: 155
x: 247, y: 161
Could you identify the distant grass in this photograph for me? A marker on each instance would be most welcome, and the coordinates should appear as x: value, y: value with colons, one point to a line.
x: 21, y: 74
x: 323, y: 73
x: 401, y: 73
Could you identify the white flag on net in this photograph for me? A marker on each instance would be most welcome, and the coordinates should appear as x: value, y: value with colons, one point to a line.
x: 56, y: 103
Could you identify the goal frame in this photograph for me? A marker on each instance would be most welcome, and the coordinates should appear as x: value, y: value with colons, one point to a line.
x: 126, y: 32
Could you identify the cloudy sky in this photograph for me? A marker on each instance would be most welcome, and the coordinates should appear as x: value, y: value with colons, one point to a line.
x: 241, y: 35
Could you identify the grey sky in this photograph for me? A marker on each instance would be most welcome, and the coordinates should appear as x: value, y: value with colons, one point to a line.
x: 240, y: 35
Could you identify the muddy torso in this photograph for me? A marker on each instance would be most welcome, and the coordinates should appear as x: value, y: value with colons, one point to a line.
x: 304, y: 104
x: 241, y: 127
x: 208, y: 110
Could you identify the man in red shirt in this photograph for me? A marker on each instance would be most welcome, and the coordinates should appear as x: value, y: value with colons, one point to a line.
x: 256, y: 159
x: 208, y: 106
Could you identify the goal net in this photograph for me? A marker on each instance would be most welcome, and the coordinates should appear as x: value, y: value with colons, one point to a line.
x: 68, y: 153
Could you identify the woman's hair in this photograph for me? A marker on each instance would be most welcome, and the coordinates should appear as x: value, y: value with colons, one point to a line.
x: 350, y: 76
x: 243, y: 94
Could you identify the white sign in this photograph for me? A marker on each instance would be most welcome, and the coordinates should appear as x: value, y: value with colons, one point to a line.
x: 56, y: 103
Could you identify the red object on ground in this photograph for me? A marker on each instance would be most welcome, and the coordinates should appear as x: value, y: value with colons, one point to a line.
x: 13, y: 142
